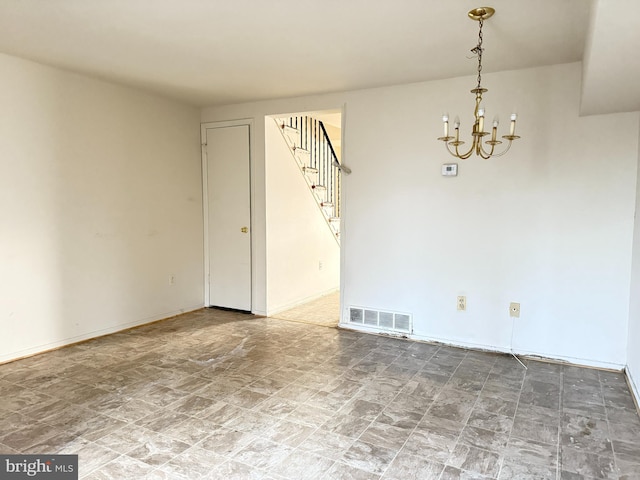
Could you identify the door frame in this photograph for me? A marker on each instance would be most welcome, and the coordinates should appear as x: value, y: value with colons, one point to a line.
x: 205, y: 201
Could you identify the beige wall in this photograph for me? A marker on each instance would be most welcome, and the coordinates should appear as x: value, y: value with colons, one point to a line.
x: 100, y: 202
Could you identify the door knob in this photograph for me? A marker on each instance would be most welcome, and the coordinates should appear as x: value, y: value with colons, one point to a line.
x: 244, y: 229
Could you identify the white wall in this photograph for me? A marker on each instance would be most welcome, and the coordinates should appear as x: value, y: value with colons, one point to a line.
x: 298, y: 236
x: 550, y: 225
x: 633, y: 345
x: 100, y: 201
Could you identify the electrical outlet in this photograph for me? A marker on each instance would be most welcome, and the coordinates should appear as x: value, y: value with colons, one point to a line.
x: 462, y: 303
x: 320, y: 265
x: 172, y: 279
x: 514, y: 310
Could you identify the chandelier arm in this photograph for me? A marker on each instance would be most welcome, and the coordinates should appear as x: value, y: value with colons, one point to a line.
x: 453, y: 154
x: 505, y: 150
x: 464, y: 156
x: 484, y: 154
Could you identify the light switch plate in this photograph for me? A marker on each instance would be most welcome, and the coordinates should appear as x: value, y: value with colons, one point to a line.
x: 449, y: 169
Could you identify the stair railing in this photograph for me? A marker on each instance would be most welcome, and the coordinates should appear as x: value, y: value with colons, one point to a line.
x: 314, y: 141
x: 335, y: 170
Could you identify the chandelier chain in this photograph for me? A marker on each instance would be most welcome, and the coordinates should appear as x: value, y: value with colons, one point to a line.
x: 478, y: 51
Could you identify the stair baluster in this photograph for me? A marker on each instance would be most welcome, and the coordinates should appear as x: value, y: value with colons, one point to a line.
x: 313, y: 150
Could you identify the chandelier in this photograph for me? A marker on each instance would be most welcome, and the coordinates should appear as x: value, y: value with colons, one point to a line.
x: 485, y: 150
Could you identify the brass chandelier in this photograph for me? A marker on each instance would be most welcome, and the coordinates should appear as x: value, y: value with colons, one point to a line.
x: 453, y: 142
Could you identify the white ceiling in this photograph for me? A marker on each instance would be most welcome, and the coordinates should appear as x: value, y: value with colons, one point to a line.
x: 214, y: 52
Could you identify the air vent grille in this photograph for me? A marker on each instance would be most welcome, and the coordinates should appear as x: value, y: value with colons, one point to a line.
x: 384, y: 320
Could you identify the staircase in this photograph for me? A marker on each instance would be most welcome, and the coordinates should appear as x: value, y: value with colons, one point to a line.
x: 311, y: 147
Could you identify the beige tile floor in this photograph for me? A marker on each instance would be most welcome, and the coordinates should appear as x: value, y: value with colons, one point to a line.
x: 323, y: 311
x: 220, y: 395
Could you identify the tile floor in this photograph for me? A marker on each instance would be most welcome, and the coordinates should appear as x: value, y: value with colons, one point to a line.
x: 220, y: 395
x: 323, y: 311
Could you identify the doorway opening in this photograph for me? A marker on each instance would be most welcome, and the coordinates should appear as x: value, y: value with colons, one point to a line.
x: 303, y: 192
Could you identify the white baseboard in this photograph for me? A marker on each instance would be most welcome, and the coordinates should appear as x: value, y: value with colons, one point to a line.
x: 634, y: 386
x: 584, y: 362
x: 4, y: 358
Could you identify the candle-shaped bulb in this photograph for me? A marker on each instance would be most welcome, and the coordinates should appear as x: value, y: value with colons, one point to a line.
x: 496, y: 121
x: 481, y: 112
x: 445, y: 117
x: 512, y: 128
x: 456, y: 123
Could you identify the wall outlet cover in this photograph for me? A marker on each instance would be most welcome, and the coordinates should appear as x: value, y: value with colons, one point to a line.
x: 462, y: 303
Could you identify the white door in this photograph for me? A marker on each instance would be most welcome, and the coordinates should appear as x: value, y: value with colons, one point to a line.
x: 229, y: 217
